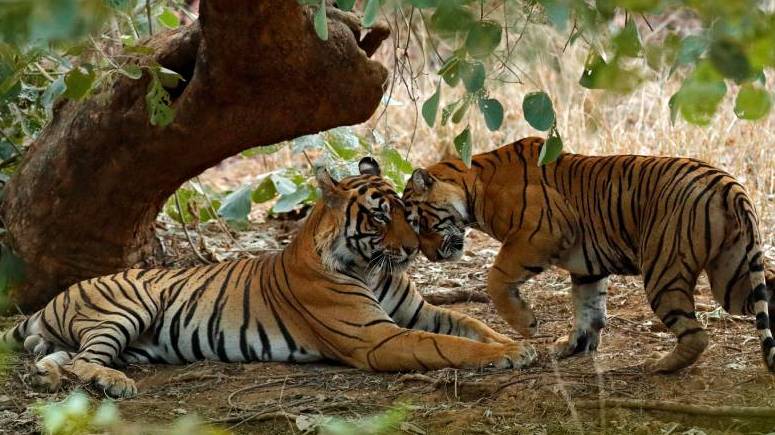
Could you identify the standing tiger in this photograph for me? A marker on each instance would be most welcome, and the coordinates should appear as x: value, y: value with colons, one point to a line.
x: 336, y: 292
x: 665, y: 218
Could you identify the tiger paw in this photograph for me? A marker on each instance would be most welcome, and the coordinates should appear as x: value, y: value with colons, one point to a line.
x: 112, y: 382
x: 45, y: 375
x: 118, y: 386
x: 577, y: 342
x: 663, y: 362
x: 517, y: 356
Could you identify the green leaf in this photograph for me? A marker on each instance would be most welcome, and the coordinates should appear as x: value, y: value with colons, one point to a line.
x: 169, y: 19
x: 691, y: 49
x: 601, y: 75
x: 538, y: 110
x: 463, y: 145
x: 483, y: 39
x: 461, y: 111
x: 236, y: 206
x: 449, y: 19
x: 752, y: 102
x: 423, y: 4
x: 473, y: 75
x: 132, y: 71
x: 345, y: 5
x: 288, y: 202
x: 370, y: 13
x: 431, y: 106
x: 207, y: 214
x: 627, y: 41
x: 168, y: 77
x: 392, y: 158
x: 550, y: 150
x: 321, y: 24
x: 450, y: 71
x: 158, y: 101
x: 700, y: 94
x: 283, y: 185
x: 558, y: 12
x: 730, y: 60
x: 638, y: 5
x: 672, y: 103
x: 447, y: 112
x: 343, y: 143
x: 492, y: 110
x: 265, y: 191
x: 171, y: 209
x: 78, y: 82
x: 606, y: 8
x: 53, y: 92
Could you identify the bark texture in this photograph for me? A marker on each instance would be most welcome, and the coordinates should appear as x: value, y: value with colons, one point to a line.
x: 85, y: 198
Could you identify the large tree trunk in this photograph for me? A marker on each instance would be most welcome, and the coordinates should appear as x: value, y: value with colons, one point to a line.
x: 85, y: 198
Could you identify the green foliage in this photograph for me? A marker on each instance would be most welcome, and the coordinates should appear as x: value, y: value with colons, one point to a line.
x: 78, y: 415
x: 551, y: 149
x: 752, y: 102
x: 735, y: 39
x: 431, y: 107
x: 321, y: 25
x: 386, y: 423
x: 339, y: 150
x: 492, y: 110
x: 463, y: 145
x: 538, y: 110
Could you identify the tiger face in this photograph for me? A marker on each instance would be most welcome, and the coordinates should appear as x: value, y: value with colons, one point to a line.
x: 438, y: 213
x: 370, y: 230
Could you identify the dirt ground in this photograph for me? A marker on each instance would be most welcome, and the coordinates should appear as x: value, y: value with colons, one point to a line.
x: 545, y: 398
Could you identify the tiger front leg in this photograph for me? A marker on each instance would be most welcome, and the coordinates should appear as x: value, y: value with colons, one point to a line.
x: 520, y: 258
x: 589, y: 294
x: 391, y: 348
x: 450, y: 322
x: 408, y: 308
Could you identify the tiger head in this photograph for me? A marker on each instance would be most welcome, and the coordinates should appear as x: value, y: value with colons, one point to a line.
x: 438, y: 211
x: 367, y: 229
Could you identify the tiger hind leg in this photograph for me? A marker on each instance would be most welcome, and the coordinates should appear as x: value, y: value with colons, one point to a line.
x: 672, y: 299
x: 46, y: 373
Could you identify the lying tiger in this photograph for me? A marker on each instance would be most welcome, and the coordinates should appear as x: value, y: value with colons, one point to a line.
x: 665, y: 218
x: 337, y: 292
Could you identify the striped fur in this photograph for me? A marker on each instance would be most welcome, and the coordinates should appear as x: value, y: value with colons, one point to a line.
x: 337, y: 292
x: 667, y: 219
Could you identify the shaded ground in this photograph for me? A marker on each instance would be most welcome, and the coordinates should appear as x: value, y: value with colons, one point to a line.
x: 251, y: 398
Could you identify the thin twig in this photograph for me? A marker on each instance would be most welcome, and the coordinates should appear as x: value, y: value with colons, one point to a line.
x: 185, y: 230
x: 681, y: 408
x: 148, y: 14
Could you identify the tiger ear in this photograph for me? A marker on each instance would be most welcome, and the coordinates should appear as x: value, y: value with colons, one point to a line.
x: 333, y: 195
x: 422, y: 180
x: 369, y: 166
